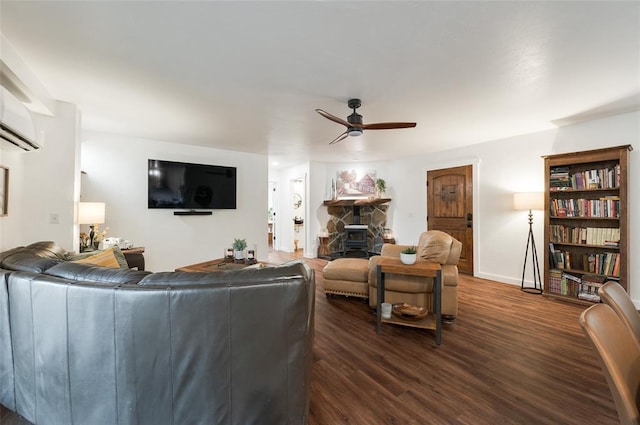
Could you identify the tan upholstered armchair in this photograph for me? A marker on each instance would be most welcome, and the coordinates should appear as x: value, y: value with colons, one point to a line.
x: 433, y: 245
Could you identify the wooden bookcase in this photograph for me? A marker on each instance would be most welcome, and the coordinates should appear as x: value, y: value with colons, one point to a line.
x: 586, y: 222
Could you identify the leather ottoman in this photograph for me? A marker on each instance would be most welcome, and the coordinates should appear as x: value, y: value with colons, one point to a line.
x: 347, y: 276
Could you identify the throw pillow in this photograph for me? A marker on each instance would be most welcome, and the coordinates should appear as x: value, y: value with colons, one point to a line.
x: 435, y: 246
x: 104, y: 258
x: 122, y: 260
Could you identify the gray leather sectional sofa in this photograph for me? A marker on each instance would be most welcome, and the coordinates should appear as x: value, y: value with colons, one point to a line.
x: 81, y: 344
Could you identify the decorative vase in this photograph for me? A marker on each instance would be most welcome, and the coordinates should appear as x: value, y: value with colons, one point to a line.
x: 239, y: 254
x: 408, y: 258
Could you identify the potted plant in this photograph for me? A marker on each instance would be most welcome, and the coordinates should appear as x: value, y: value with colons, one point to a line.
x: 238, y: 247
x: 381, y: 187
x: 408, y: 255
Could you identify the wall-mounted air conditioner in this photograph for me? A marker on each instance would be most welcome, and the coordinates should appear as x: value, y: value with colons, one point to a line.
x: 17, y: 132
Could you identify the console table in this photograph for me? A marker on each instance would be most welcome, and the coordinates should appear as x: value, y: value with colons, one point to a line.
x: 433, y: 320
x: 134, y: 257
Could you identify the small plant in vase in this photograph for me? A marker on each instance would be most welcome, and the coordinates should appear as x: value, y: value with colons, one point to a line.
x: 238, y: 247
x: 408, y: 255
x: 381, y: 187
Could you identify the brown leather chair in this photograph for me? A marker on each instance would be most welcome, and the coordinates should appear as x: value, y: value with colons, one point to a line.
x: 433, y: 245
x: 614, y: 295
x: 618, y: 352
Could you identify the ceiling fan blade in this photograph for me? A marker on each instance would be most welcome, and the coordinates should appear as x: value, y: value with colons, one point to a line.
x: 333, y: 118
x: 340, y: 137
x: 388, y: 125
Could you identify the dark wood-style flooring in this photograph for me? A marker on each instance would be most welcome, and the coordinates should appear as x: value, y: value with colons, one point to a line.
x: 510, y: 358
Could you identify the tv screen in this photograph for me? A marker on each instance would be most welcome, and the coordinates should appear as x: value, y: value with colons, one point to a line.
x: 180, y: 185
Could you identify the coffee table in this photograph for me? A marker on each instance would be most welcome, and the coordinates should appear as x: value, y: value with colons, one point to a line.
x: 433, y: 320
x: 217, y: 265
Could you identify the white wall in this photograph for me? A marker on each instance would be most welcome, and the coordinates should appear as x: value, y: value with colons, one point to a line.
x: 116, y: 173
x: 44, y: 182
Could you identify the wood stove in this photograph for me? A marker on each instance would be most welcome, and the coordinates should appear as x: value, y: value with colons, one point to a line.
x: 356, y: 238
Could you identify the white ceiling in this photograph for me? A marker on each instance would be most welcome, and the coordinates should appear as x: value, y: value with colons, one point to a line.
x: 247, y: 76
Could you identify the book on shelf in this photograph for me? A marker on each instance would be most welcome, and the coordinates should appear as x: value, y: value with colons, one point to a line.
x: 572, y: 277
x: 552, y: 258
x: 558, y: 259
x: 602, y: 236
x: 602, y: 178
x: 607, y: 263
x: 559, y: 178
x: 605, y: 207
x: 567, y: 259
x: 589, y: 263
x: 590, y: 286
x: 555, y: 281
x: 569, y: 284
x: 616, y: 266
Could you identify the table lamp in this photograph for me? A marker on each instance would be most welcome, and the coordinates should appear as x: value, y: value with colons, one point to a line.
x: 530, y: 201
x: 91, y: 213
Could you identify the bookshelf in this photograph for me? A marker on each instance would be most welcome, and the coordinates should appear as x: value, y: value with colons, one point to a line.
x: 585, y: 223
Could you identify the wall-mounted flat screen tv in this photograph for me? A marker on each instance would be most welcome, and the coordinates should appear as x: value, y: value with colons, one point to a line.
x: 181, y: 185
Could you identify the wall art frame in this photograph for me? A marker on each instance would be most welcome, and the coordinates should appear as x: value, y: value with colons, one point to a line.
x: 355, y: 184
x: 4, y: 191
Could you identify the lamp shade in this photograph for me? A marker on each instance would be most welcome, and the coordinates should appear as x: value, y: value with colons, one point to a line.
x: 91, y: 212
x: 528, y: 201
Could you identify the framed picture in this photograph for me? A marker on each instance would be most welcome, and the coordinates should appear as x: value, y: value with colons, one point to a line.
x: 355, y: 184
x: 4, y: 191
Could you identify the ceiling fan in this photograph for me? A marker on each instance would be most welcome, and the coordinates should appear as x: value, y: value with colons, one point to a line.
x: 354, y: 123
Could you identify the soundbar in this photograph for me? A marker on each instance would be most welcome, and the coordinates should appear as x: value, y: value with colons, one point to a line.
x: 192, y: 212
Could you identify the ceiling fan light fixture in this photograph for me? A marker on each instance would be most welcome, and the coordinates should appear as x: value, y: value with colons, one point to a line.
x: 355, y: 132
x: 355, y: 126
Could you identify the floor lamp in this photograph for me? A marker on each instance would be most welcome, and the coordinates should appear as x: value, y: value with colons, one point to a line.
x: 530, y: 201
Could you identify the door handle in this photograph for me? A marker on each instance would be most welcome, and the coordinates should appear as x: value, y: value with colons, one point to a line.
x: 469, y: 220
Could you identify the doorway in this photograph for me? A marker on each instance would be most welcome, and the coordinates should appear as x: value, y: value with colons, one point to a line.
x: 450, y: 208
x: 298, y: 207
x: 271, y: 214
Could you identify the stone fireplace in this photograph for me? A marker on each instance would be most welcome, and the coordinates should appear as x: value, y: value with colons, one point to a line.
x: 356, y: 227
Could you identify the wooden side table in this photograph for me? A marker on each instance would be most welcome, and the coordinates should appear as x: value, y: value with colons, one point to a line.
x: 323, y: 247
x: 217, y: 265
x: 433, y: 320
x: 134, y: 257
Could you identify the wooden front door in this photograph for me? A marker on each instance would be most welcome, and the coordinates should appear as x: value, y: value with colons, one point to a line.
x: 450, y: 208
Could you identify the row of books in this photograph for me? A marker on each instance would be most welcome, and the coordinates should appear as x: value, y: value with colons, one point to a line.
x: 559, y: 178
x: 603, y: 178
x: 585, y: 287
x: 602, y: 236
x: 607, y: 263
x: 561, y: 259
x: 562, y: 283
x: 606, y: 207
